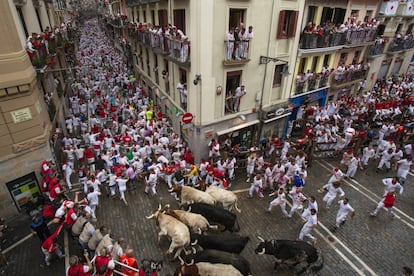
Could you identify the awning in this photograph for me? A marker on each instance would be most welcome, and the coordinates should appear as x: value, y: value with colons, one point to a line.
x: 228, y: 130
x: 276, y: 118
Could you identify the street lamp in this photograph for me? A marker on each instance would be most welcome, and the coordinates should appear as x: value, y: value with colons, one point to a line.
x: 266, y: 60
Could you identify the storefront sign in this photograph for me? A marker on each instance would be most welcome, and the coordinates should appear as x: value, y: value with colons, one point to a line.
x: 24, y: 191
x: 21, y: 115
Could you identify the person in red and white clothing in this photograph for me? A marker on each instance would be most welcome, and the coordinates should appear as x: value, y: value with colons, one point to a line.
x: 214, y: 148
x: 386, y: 203
x: 78, y: 269
x: 104, y: 264
x: 50, y: 246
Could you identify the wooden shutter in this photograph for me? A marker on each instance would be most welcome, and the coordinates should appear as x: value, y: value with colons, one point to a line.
x: 293, y: 19
x: 280, y: 34
x: 162, y: 18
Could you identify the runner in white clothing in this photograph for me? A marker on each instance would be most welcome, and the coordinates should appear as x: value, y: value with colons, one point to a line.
x: 391, y: 184
x: 403, y: 168
x: 310, y: 224
x: 332, y: 191
x: 345, y: 209
x: 312, y: 204
x: 280, y: 200
x: 256, y: 186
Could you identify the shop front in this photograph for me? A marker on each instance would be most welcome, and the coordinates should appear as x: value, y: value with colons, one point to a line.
x: 274, y: 120
x: 241, y: 135
x: 315, y: 97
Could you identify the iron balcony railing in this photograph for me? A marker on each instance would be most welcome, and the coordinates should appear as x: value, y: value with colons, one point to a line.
x: 237, y: 50
x: 400, y: 44
x: 348, y: 76
x: 311, y: 83
x: 314, y: 40
x: 177, y: 49
x: 376, y: 49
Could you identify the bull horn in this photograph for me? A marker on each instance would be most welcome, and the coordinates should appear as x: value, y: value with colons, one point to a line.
x: 151, y: 216
x: 195, y: 242
x: 181, y: 260
x: 159, y: 206
x: 260, y: 239
x: 262, y: 252
x: 167, y: 206
x: 189, y: 209
x: 194, y: 250
x: 171, y: 190
x: 191, y: 263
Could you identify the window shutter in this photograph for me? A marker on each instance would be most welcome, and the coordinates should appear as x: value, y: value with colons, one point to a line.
x: 293, y: 19
x: 280, y: 34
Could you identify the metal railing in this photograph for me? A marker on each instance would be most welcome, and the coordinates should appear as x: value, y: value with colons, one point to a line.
x: 314, y: 40
x: 237, y: 50
x: 400, y: 44
x: 311, y: 83
x: 376, y: 49
x: 348, y: 76
x: 177, y: 49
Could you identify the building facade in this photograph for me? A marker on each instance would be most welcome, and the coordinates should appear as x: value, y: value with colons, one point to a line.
x: 31, y: 88
x: 192, y: 57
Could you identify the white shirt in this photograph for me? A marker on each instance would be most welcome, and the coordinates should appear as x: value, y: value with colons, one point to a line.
x: 345, y: 209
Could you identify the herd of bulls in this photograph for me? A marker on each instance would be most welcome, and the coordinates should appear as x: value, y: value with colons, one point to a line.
x: 189, y: 230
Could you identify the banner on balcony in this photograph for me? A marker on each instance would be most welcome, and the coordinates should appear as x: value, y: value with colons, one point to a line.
x: 307, y: 98
x: 389, y: 7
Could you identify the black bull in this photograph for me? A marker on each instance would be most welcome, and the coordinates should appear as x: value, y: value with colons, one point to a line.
x: 221, y: 257
x: 229, y: 243
x: 216, y: 215
x: 298, y: 255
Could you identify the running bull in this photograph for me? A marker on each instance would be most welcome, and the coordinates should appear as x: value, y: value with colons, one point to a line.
x: 205, y: 269
x: 216, y: 215
x: 229, y: 243
x: 221, y: 257
x: 297, y: 255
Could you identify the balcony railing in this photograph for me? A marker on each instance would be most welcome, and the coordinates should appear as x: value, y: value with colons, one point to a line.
x: 400, y: 44
x: 237, y: 51
x: 314, y: 40
x: 177, y: 50
x: 348, y: 76
x: 376, y: 49
x: 311, y: 83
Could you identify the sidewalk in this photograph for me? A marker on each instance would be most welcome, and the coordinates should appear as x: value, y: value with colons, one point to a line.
x: 26, y: 258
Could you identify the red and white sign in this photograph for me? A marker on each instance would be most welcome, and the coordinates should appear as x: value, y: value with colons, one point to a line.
x: 187, y: 118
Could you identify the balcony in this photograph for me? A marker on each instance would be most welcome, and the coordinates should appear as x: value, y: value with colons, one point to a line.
x: 348, y: 76
x: 400, y: 44
x: 338, y: 39
x: 311, y: 83
x: 176, y: 50
x: 237, y: 52
x: 375, y: 50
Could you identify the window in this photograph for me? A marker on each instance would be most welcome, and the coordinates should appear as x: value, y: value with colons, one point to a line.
x: 232, y: 82
x: 410, y: 28
x: 311, y: 13
x: 144, y: 14
x: 399, y: 28
x: 314, y: 63
x: 277, y: 76
x: 357, y: 56
x: 153, y: 17
x: 326, y: 60
x: 179, y: 19
x: 287, y: 24
x: 368, y: 15
x: 166, y: 77
x: 380, y: 29
x: 148, y: 62
x: 20, y: 13
x: 38, y: 18
x: 183, y: 75
x: 335, y: 15
x: 162, y: 18
x: 156, y: 71
x: 236, y: 17
x: 302, y: 64
x: 343, y: 57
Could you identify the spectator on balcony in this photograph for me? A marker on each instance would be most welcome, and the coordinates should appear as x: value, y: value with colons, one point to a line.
x: 230, y: 43
x: 246, y: 37
x: 237, y: 43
